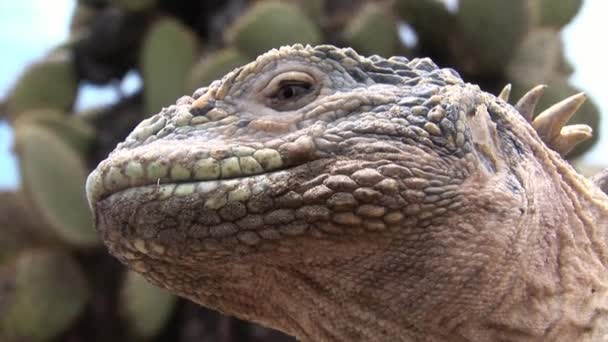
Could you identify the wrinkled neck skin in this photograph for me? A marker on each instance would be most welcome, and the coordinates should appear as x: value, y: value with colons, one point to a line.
x: 560, y: 291
x: 461, y: 278
x: 537, y: 275
x: 548, y: 283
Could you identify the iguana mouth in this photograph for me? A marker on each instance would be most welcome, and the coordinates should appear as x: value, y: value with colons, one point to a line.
x: 192, y: 170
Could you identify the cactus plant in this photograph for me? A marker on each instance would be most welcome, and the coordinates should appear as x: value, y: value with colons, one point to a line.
x: 73, y: 130
x: 20, y: 228
x: 423, y: 16
x: 271, y: 24
x: 556, y: 14
x: 146, y: 307
x: 168, y: 53
x: 50, y: 83
x: 214, y: 66
x: 538, y: 58
x: 373, y: 31
x: 491, y: 31
x: 135, y: 5
x: 82, y: 17
x: 53, y: 176
x: 44, y: 292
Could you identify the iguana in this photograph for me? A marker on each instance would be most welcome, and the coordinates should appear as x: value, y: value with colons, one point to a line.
x: 336, y: 197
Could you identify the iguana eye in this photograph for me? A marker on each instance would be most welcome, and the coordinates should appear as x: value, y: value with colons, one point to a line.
x: 290, y: 90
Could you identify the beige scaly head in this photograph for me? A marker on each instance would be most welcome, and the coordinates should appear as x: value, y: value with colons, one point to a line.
x: 551, y: 123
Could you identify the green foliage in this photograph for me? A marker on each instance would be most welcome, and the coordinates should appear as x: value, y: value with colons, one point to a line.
x: 491, y: 31
x: 168, y: 53
x: 19, y: 228
x: 538, y: 58
x: 270, y: 25
x: 50, y: 83
x: 373, y: 31
x: 44, y: 292
x: 424, y: 16
x: 146, y: 307
x: 135, y: 5
x: 82, y: 17
x: 53, y: 175
x: 73, y: 130
x: 214, y: 66
x: 557, y: 14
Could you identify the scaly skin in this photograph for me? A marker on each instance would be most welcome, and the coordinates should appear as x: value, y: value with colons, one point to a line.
x: 342, y: 198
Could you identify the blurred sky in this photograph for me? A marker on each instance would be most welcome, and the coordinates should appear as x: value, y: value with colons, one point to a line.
x: 29, y: 28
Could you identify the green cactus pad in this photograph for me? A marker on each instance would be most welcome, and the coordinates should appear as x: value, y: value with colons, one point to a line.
x: 315, y: 9
x: 538, y: 58
x: 146, y: 307
x: 373, y: 30
x: 423, y: 16
x: 135, y: 5
x: 215, y: 66
x: 43, y: 293
x: 48, y: 84
x: 16, y: 223
x: 82, y: 17
x: 491, y: 32
x: 73, y: 130
x: 270, y: 25
x: 168, y: 53
x: 53, y: 176
x: 557, y: 14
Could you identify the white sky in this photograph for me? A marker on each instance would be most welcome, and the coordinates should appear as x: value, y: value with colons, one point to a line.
x: 28, y: 28
x: 587, y: 49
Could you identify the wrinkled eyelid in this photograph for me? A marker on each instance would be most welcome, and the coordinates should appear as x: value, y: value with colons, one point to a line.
x: 290, y: 76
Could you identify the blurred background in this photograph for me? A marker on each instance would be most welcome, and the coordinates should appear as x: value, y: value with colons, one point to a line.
x: 77, y: 76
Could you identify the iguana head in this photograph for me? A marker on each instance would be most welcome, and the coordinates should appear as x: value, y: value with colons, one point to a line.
x: 314, y: 183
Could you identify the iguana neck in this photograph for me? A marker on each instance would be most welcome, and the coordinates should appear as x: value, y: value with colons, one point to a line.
x: 552, y: 284
x: 544, y: 286
x: 561, y: 294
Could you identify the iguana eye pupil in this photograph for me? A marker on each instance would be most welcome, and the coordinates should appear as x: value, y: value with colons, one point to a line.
x: 292, y: 90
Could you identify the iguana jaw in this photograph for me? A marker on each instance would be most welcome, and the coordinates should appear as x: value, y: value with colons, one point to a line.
x: 210, y: 189
x: 187, y: 164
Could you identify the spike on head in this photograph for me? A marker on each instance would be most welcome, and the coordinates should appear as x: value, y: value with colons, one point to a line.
x: 549, y: 123
x: 505, y: 93
x: 527, y: 104
x: 569, y: 137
